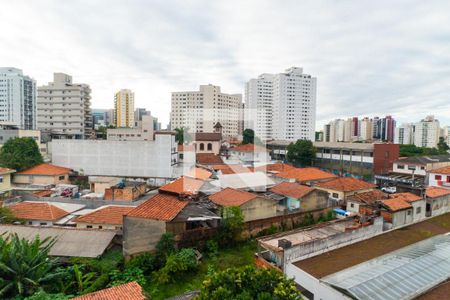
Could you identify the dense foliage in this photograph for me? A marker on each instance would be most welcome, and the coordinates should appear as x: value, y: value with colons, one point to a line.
x: 25, y: 266
x: 248, y: 137
x: 6, y: 216
x: 232, y: 226
x: 413, y: 150
x: 301, y: 153
x: 20, y: 154
x: 181, y: 135
x: 177, y: 263
x: 248, y: 283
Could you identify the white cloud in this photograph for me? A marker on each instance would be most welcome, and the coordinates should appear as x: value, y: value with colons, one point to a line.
x: 370, y: 57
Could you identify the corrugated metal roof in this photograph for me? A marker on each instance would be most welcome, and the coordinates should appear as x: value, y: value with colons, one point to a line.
x: 69, y: 242
x: 402, y: 274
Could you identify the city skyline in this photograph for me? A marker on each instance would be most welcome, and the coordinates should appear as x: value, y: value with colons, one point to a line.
x: 381, y: 54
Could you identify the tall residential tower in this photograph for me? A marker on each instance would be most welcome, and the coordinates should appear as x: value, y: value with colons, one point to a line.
x: 124, y: 109
x: 282, y: 106
x: 17, y: 99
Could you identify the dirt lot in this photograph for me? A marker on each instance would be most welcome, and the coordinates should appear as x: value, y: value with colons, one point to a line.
x: 441, y: 292
x: 351, y: 255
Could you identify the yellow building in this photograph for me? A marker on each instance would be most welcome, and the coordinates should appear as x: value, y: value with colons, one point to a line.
x: 43, y: 174
x: 5, y: 182
x: 124, y: 109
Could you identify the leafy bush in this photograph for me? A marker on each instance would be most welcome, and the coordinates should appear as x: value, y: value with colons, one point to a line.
x: 230, y: 232
x: 212, y: 248
x: 146, y: 262
x: 248, y: 283
x: 177, y: 263
x: 128, y: 275
x: 42, y: 295
x: 164, y: 248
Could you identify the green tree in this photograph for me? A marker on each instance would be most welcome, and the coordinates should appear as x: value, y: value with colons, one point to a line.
x: 301, y: 153
x: 232, y: 225
x: 129, y: 274
x: 20, y: 154
x: 248, y: 137
x: 181, y: 135
x: 42, y: 295
x: 176, y: 264
x: 442, y: 146
x: 248, y: 283
x: 25, y: 265
x: 6, y: 216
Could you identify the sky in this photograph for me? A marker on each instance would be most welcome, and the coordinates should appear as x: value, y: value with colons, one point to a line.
x: 370, y: 57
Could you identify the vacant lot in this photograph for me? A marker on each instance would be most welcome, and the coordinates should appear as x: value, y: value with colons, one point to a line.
x: 351, y: 255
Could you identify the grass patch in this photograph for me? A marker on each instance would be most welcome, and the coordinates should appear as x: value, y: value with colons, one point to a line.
x: 240, y: 255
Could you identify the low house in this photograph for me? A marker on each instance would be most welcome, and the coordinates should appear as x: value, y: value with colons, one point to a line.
x: 126, y: 191
x: 418, y: 204
x: 183, y: 186
x: 397, y: 212
x: 144, y: 225
x: 207, y: 159
x: 253, y: 207
x: 43, y: 174
x: 341, y: 188
x: 297, y: 197
x: 5, y: 182
x: 308, y: 176
x: 365, y: 203
x: 226, y: 169
x: 207, y: 142
x: 38, y: 213
x: 126, y: 291
x: 250, y: 153
x: 98, y: 184
x: 105, y: 217
x: 439, y: 177
x: 437, y: 201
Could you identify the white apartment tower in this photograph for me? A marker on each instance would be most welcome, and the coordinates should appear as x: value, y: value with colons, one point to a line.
x: 282, y: 106
x: 17, y: 99
x: 426, y: 132
x: 200, y: 110
x: 404, y: 134
x: 64, y: 109
x: 124, y: 109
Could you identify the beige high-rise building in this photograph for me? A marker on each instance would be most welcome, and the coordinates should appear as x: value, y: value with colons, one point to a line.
x: 64, y: 109
x: 200, y: 110
x: 124, y: 109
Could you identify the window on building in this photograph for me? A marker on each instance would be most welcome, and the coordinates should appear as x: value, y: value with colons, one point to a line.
x: 335, y: 195
x: 401, y: 167
x: 100, y: 227
x: 202, y: 146
x: 89, y: 226
x: 1, y: 179
x: 61, y: 177
x: 418, y: 210
x: 352, y: 205
x: 437, y: 177
x: 409, y: 212
x: 209, y: 146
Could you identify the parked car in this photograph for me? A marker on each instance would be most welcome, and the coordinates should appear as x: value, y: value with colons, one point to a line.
x: 389, y: 189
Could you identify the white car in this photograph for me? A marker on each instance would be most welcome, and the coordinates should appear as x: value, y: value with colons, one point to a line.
x: 389, y: 189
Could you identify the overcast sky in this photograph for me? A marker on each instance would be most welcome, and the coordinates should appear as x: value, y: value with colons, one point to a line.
x: 370, y: 57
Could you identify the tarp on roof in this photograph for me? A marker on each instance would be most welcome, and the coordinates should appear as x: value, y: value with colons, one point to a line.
x: 256, y: 181
x: 402, y: 274
x: 69, y: 242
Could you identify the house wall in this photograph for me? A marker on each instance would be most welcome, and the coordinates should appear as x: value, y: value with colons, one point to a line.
x: 141, y: 235
x: 215, y: 147
x: 342, y: 196
x: 41, y: 179
x: 402, y: 217
x: 314, y: 200
x: 434, y: 181
x: 259, y: 208
x: 439, y: 205
x: 419, y: 210
x: 5, y: 184
x: 38, y: 223
x: 251, y: 156
x: 353, y: 206
x: 125, y: 194
x: 99, y: 226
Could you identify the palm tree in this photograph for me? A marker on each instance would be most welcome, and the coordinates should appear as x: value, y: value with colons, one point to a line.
x: 25, y: 265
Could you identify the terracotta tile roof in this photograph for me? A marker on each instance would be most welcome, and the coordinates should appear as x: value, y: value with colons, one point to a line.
x: 277, y: 167
x: 231, y: 197
x: 434, y: 192
x: 249, y: 148
x: 444, y: 170
x: 234, y: 169
x: 163, y: 207
x: 127, y: 291
x: 183, y: 185
x: 6, y: 170
x: 291, y: 189
x: 306, y: 174
x: 207, y: 136
x: 111, y: 214
x: 198, y: 173
x: 369, y: 197
x: 45, y: 193
x: 396, y: 204
x: 43, y: 211
x: 45, y: 169
x: 346, y: 184
x: 208, y: 159
x: 408, y: 197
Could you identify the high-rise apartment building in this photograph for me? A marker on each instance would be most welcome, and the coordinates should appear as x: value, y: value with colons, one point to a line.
x: 17, y: 99
x: 200, y: 110
x: 404, y: 134
x: 366, y: 129
x: 282, y: 106
x: 385, y: 129
x: 124, y: 109
x: 64, y: 109
x: 427, y: 132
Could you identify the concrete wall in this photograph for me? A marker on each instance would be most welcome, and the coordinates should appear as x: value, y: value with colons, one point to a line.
x: 316, y: 247
x: 5, y: 185
x: 99, y: 226
x: 259, y: 208
x: 41, y: 179
x: 444, y: 181
x: 141, y: 235
x: 439, y: 205
x: 125, y: 194
x: 118, y: 158
x: 314, y: 200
